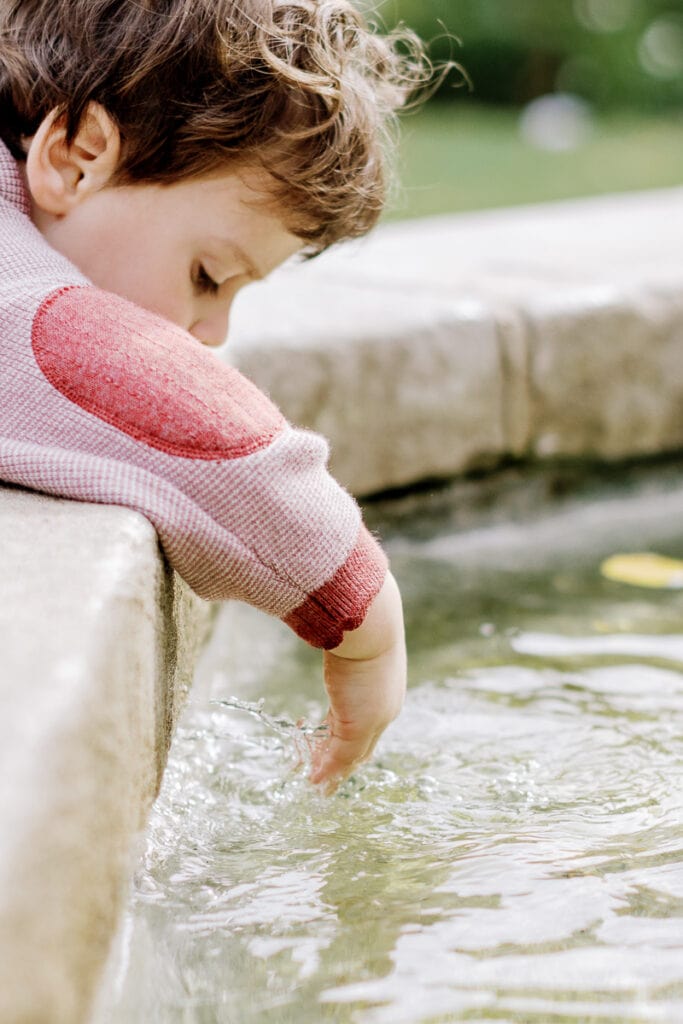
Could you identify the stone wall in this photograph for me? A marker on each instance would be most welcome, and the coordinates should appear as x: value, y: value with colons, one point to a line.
x: 98, y: 646
x: 437, y: 346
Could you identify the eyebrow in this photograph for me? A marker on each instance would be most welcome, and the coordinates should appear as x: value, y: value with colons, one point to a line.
x: 240, y: 253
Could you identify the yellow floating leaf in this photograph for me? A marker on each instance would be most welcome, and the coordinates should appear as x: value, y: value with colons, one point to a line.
x: 644, y: 569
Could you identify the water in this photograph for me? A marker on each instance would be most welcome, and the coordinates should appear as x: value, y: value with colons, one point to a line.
x: 515, y: 851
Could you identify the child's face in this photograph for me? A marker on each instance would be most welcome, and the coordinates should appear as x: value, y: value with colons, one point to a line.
x: 181, y: 250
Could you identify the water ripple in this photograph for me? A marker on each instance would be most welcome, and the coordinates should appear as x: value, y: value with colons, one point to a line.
x: 512, y: 854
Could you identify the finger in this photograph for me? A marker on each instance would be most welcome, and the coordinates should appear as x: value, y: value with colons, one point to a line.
x: 338, y: 757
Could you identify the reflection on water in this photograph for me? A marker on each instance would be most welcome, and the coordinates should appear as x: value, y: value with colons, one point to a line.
x: 515, y: 853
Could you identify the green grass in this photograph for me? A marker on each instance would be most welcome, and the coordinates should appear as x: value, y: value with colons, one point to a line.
x: 457, y: 157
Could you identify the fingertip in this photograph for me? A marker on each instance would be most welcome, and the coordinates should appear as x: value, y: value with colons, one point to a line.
x: 326, y: 779
x: 317, y: 775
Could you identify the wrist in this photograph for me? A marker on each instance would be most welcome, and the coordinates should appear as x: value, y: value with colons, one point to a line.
x: 380, y: 632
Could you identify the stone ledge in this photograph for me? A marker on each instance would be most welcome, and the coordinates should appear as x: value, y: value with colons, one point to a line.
x: 99, y: 641
x: 441, y: 345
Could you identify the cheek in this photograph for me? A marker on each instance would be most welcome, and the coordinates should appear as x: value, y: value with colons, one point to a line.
x: 148, y: 278
x: 160, y: 289
x: 128, y: 251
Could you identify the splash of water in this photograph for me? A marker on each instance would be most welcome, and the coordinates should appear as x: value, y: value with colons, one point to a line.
x: 513, y: 853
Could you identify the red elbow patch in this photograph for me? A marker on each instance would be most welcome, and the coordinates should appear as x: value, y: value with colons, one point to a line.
x: 342, y: 603
x: 149, y: 378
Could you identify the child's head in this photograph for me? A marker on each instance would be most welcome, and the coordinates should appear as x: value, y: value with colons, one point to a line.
x: 290, y: 98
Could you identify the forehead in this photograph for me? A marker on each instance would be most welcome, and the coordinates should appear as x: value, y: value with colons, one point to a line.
x: 236, y: 210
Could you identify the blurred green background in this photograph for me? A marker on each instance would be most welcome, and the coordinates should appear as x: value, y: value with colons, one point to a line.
x: 566, y: 98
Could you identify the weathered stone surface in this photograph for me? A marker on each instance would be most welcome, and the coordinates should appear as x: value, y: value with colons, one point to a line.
x: 607, y: 373
x: 90, y: 678
x: 550, y: 330
x: 388, y: 377
x: 630, y: 239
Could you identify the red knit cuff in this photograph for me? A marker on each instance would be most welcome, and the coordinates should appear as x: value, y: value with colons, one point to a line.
x: 341, y: 604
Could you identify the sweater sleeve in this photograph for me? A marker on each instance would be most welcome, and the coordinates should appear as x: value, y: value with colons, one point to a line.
x: 114, y: 404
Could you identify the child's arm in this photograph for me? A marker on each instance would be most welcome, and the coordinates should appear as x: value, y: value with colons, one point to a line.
x: 107, y: 402
x: 365, y: 677
x: 119, y: 406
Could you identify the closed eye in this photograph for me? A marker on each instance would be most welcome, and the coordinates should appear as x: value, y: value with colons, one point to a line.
x: 203, y: 282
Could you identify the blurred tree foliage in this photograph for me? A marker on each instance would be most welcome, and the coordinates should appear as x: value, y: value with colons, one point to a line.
x: 614, y: 53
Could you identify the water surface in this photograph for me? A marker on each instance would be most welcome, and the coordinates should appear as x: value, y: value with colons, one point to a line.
x: 515, y: 851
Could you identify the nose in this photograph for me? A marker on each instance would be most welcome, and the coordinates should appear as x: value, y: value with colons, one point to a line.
x: 212, y: 330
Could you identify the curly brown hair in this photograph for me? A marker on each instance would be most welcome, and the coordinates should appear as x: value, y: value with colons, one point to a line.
x: 307, y: 89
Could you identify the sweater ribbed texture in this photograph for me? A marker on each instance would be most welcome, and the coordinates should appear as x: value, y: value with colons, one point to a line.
x: 103, y: 401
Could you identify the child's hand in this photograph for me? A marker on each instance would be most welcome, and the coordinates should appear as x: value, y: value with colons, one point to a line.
x: 365, y: 678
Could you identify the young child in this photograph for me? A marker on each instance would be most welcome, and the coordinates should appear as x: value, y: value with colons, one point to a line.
x: 156, y: 156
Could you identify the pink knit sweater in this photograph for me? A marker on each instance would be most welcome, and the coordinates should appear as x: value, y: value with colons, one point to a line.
x: 103, y: 401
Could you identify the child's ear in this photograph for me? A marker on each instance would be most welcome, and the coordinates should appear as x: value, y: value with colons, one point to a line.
x: 59, y: 175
